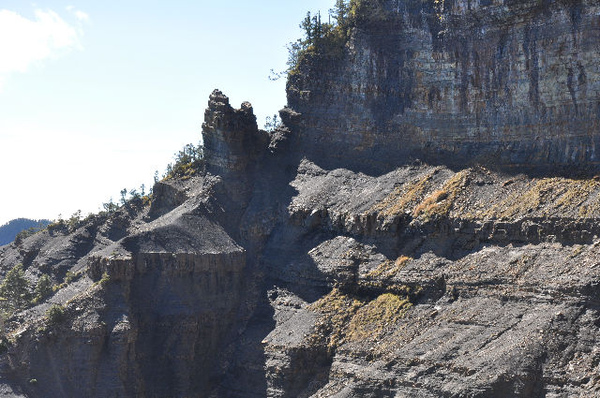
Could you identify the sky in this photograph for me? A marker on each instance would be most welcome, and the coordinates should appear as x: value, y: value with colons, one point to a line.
x: 95, y: 96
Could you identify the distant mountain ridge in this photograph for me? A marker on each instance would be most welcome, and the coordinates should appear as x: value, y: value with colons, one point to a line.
x: 10, y: 230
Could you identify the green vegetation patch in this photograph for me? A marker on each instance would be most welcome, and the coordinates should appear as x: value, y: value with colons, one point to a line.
x: 55, y: 314
x: 43, y: 289
x: 14, y: 290
x: 188, y: 162
x: 328, y: 39
x: 103, y: 280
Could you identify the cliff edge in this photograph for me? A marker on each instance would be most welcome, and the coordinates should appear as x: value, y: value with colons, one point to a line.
x: 423, y: 224
x: 508, y: 84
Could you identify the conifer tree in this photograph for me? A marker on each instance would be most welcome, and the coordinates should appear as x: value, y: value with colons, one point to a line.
x: 14, y: 289
x: 43, y: 288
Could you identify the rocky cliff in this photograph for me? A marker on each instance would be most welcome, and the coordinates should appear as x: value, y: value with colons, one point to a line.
x: 506, y: 83
x: 407, y: 232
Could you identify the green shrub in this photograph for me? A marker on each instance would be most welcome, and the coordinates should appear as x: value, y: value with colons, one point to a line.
x: 25, y: 234
x: 14, y: 290
x: 189, y: 161
x: 104, y: 280
x: 72, y: 276
x: 55, y: 314
x: 43, y: 289
x: 326, y: 39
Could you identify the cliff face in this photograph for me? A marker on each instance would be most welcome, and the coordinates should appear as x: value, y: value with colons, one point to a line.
x: 149, y: 304
x: 281, y: 269
x: 445, y: 284
x: 505, y: 83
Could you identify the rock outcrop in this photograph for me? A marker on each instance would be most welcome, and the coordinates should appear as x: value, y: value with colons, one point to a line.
x: 443, y: 284
x: 510, y: 84
x: 232, y: 140
x: 148, y: 314
x: 323, y: 259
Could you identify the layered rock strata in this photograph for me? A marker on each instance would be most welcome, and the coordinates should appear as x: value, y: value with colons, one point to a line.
x: 415, y: 301
x: 504, y: 83
x: 275, y: 273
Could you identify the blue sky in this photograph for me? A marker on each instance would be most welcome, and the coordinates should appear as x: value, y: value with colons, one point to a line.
x: 97, y: 95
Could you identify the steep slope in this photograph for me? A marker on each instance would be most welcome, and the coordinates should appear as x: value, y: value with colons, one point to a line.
x: 323, y: 259
x: 420, y: 282
x: 147, y: 307
x: 444, y: 284
x: 506, y: 83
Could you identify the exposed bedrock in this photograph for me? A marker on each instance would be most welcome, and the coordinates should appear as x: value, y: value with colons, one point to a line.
x: 323, y: 259
x: 511, y: 84
x: 456, y: 299
x: 154, y: 326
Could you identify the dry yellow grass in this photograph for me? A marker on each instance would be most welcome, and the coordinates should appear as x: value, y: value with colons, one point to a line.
x: 389, y: 268
x: 347, y: 319
x: 398, y: 201
x: 337, y: 309
x: 551, y: 197
x: 440, y: 202
x: 373, y: 319
x: 512, y: 199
